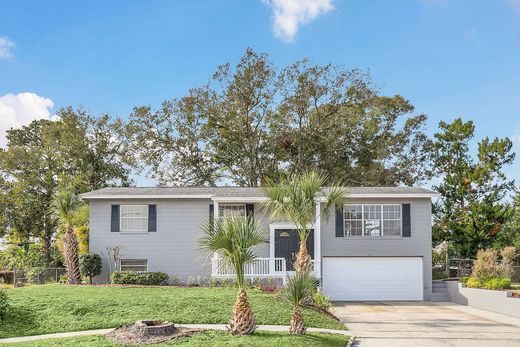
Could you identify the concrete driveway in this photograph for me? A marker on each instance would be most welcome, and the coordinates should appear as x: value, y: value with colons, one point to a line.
x: 417, y: 324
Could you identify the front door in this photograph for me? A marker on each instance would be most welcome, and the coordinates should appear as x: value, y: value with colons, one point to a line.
x: 287, y: 245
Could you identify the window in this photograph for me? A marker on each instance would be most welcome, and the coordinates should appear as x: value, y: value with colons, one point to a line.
x: 138, y: 265
x: 232, y: 211
x: 372, y: 220
x: 134, y: 218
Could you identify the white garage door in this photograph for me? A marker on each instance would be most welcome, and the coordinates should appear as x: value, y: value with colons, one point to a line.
x: 373, y: 278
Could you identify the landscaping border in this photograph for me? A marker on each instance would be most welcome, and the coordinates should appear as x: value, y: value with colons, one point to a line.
x: 499, y: 301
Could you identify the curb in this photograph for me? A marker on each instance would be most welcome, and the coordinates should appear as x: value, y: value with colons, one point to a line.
x: 222, y: 327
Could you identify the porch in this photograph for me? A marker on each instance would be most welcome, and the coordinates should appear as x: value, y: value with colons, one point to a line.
x: 261, y: 268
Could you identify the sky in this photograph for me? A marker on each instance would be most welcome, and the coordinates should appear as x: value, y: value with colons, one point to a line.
x: 450, y: 58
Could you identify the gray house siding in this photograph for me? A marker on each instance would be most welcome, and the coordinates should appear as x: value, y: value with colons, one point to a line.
x: 173, y: 248
x: 418, y: 245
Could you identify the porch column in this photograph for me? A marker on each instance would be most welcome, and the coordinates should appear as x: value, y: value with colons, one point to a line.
x: 317, y: 242
x: 215, y: 219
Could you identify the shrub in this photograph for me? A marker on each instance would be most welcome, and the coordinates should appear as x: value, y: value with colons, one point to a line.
x: 90, y: 265
x: 6, y: 277
x: 473, y: 282
x: 140, y: 278
x: 498, y: 283
x: 4, y: 305
x: 321, y: 300
x: 439, y: 274
x: 464, y: 279
x: 486, y: 266
x: 508, y: 255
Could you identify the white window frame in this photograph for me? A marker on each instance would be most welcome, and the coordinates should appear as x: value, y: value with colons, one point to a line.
x: 121, y: 207
x: 145, y: 266
x: 345, y: 220
x: 223, y: 206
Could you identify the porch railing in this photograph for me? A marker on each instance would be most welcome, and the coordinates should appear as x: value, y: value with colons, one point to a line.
x: 260, y: 268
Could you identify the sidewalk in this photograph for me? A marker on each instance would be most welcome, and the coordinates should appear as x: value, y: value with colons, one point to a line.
x: 191, y: 326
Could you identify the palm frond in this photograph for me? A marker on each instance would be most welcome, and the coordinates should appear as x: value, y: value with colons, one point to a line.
x: 299, y: 286
x: 234, y: 239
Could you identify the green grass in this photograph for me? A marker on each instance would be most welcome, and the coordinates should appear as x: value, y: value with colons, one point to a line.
x: 209, y: 338
x: 57, y: 308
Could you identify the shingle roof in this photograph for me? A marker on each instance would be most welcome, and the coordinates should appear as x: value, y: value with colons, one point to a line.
x: 250, y: 192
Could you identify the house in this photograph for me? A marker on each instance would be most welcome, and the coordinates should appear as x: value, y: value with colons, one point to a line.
x: 377, y: 246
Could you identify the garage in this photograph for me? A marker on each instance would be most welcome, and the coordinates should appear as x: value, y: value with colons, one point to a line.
x: 373, y: 278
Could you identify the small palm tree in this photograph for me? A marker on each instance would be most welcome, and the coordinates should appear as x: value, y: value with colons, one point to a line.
x: 298, y: 288
x: 295, y: 197
x: 66, y: 204
x: 234, y: 239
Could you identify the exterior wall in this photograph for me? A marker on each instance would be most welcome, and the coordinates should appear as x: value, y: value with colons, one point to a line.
x: 492, y: 300
x: 173, y: 248
x: 418, y: 245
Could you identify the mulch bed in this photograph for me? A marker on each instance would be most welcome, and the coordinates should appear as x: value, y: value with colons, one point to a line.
x: 139, y: 333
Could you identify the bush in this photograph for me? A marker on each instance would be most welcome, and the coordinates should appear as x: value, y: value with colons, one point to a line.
x: 321, y: 300
x: 464, y: 279
x: 486, y: 266
x: 6, y: 277
x: 4, y: 305
x: 90, y: 265
x: 439, y: 274
x: 473, y: 282
x: 498, y: 283
x: 140, y: 278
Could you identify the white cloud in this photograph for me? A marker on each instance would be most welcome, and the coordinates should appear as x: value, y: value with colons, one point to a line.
x: 20, y: 109
x: 515, y: 5
x: 5, y: 47
x: 290, y: 15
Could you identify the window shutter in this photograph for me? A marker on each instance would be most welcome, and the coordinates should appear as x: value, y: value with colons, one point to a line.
x: 407, y: 223
x: 340, y: 225
x: 250, y: 211
x: 211, y: 215
x: 152, y: 218
x: 114, y: 219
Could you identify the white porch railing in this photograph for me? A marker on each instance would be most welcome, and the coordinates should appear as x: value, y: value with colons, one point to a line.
x: 260, y: 268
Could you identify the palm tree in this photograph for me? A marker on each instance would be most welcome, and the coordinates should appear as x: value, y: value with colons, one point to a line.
x: 297, y: 289
x: 234, y: 239
x: 295, y: 197
x: 66, y: 204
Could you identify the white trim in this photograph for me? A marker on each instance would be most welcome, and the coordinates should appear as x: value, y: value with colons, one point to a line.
x: 142, y: 196
x: 243, y: 199
x: 317, y: 242
x: 382, y: 235
x: 137, y: 231
x: 252, y: 198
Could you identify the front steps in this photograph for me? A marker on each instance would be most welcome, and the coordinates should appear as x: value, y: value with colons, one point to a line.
x: 440, y: 292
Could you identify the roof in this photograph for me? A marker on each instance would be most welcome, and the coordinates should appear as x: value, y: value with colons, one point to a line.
x: 229, y: 193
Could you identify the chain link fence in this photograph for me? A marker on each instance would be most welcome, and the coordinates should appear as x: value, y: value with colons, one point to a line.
x: 37, y: 275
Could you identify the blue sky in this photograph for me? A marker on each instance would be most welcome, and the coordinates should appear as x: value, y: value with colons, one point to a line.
x: 449, y: 57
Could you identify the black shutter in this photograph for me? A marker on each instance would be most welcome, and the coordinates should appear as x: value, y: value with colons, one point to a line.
x: 340, y: 225
x: 152, y: 218
x: 250, y: 211
x: 407, y: 223
x: 114, y: 219
x: 211, y: 216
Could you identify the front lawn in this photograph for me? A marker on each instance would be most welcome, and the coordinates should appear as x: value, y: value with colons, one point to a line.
x: 209, y: 338
x: 57, y: 308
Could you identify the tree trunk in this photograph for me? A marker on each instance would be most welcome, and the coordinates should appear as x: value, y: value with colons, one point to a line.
x: 242, y: 321
x: 297, y: 326
x: 303, y: 259
x: 70, y: 250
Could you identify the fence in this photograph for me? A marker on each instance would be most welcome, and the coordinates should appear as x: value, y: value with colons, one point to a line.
x: 37, y: 275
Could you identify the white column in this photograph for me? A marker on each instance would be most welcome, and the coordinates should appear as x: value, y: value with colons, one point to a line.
x: 317, y: 242
x: 215, y: 219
